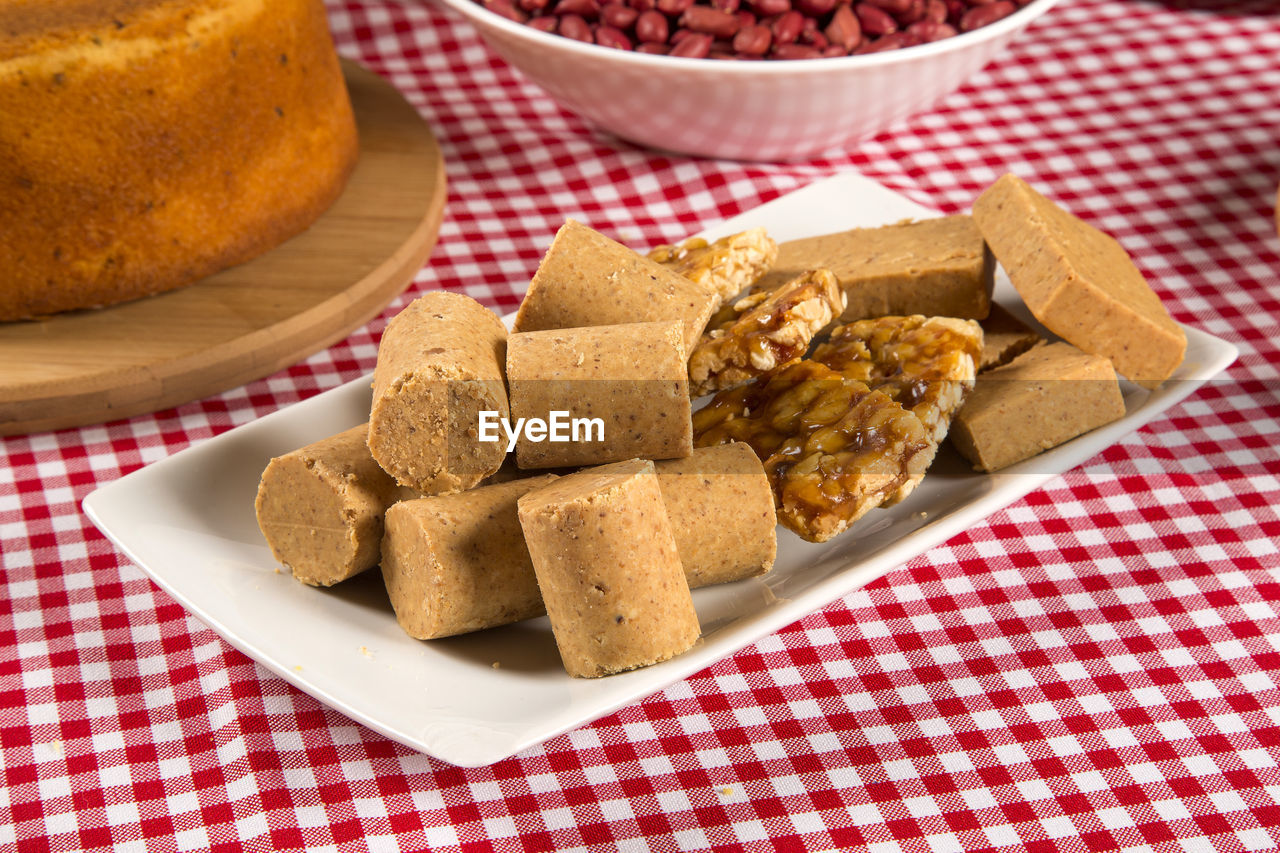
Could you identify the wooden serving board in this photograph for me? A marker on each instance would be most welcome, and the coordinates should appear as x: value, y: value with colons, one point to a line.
x: 251, y: 320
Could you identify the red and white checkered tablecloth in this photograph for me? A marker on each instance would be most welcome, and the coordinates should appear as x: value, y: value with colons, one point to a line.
x: 1096, y: 667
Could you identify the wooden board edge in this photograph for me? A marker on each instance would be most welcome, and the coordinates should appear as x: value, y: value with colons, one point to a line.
x: 138, y: 390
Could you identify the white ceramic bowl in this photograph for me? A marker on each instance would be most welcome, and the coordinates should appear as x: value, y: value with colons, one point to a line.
x: 765, y: 110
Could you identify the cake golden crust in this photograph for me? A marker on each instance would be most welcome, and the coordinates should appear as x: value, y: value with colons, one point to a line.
x: 158, y: 141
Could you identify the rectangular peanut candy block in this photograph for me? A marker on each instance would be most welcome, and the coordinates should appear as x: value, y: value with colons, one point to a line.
x: 1004, y: 338
x: 936, y: 267
x: 1079, y: 282
x: 1044, y: 397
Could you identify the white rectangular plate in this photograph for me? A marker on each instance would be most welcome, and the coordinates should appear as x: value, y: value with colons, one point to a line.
x: 188, y: 522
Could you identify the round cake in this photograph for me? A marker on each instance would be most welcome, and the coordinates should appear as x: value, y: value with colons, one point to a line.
x: 145, y: 144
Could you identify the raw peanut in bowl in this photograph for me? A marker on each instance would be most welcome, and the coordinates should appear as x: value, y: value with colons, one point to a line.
x: 658, y: 90
x: 755, y: 29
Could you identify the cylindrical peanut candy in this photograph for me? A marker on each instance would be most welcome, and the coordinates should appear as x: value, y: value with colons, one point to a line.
x: 458, y: 563
x: 439, y: 366
x: 622, y: 393
x: 608, y: 569
x: 720, y: 506
x: 320, y: 508
x: 587, y: 279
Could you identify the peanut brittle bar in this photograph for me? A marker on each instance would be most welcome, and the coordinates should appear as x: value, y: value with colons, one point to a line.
x: 729, y: 265
x: 759, y: 332
x: 833, y: 448
x: 927, y: 364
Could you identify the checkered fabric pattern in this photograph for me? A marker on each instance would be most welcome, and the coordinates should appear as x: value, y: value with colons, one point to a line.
x: 1095, y: 668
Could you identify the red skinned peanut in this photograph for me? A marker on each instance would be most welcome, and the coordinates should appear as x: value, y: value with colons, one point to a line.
x: 673, y: 7
x: 980, y: 16
x: 652, y: 27
x: 618, y: 15
x: 815, y: 8
x: 769, y: 8
x: 893, y: 7
x: 787, y: 27
x: 915, y: 12
x: 753, y: 41
x: 874, y: 20
x: 507, y: 9
x: 587, y: 9
x: 694, y: 46
x: 607, y: 36
x: 844, y: 30
x: 706, y: 19
x: 928, y: 31
x: 796, y: 51
x: 575, y: 27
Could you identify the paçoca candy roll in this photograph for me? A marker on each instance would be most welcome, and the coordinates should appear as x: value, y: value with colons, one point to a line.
x: 608, y: 569
x: 625, y: 386
x: 720, y: 506
x: 587, y: 279
x: 321, y: 508
x: 439, y: 366
x: 458, y: 563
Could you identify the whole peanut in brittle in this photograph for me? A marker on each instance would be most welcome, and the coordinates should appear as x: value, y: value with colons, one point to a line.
x: 927, y: 364
x: 729, y: 265
x: 833, y: 448
x: 759, y: 332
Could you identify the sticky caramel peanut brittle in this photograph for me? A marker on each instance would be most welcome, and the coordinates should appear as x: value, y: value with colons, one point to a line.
x: 832, y: 447
x: 927, y: 364
x: 729, y: 265
x: 759, y: 332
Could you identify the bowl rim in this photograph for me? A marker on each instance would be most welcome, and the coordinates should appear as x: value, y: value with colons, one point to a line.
x: 482, y: 17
